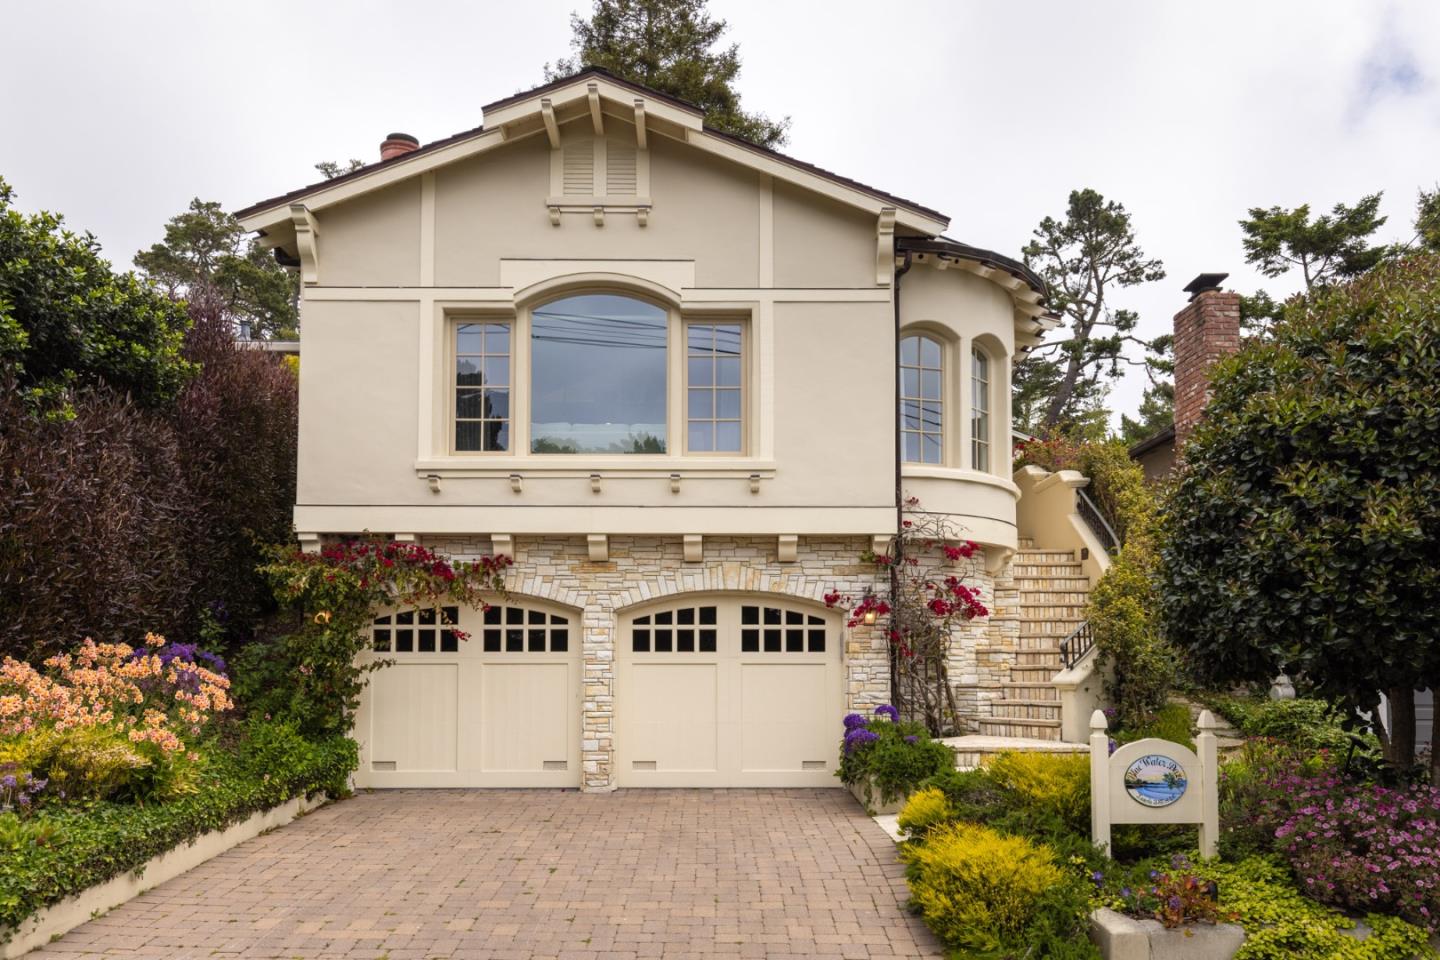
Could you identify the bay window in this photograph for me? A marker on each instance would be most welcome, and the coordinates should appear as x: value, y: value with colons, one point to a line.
x: 922, y: 402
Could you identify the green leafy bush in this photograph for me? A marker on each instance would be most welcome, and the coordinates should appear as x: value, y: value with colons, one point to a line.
x: 1281, y: 924
x: 1301, y: 537
x: 1057, y: 784
x: 888, y: 757
x: 978, y: 889
x: 926, y: 808
x: 1171, y: 722
x: 1307, y: 724
x: 69, y: 847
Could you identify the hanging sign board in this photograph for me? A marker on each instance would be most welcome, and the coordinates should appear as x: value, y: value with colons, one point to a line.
x: 1154, y: 781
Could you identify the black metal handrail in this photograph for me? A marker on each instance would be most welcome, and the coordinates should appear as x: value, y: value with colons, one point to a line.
x: 1096, y: 521
x: 1077, y: 646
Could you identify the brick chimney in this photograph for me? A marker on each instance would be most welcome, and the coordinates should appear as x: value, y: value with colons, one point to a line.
x: 1207, y: 330
x: 397, y: 145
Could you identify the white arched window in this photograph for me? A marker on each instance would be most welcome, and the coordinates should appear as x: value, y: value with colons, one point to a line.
x: 922, y: 405
x: 979, y: 410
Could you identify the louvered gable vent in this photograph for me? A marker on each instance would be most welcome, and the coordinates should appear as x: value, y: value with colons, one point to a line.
x: 621, y: 175
x: 579, y: 168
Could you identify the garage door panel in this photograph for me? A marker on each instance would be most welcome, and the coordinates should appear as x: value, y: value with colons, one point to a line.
x: 525, y: 717
x: 780, y: 704
x: 671, y: 711
x: 413, y: 717
x: 499, y: 709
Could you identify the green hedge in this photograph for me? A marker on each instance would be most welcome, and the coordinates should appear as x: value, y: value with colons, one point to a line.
x: 92, y: 843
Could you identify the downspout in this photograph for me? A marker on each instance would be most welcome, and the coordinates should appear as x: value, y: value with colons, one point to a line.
x: 897, y: 553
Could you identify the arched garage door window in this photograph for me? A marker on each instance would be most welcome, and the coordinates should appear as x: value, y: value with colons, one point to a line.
x: 728, y: 691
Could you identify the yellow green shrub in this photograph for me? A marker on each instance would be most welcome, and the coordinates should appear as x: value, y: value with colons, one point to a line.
x: 977, y: 888
x: 925, y: 810
x: 1056, y: 783
x: 92, y: 762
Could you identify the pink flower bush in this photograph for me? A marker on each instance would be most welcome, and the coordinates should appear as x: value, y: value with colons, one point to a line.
x: 152, y: 698
x: 1364, y: 847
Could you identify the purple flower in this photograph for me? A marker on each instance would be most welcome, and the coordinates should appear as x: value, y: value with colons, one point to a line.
x: 859, y: 738
x: 885, y: 710
x: 8, y: 781
x: 912, y: 739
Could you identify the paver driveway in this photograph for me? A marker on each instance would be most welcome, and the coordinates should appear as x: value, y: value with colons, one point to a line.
x: 533, y: 873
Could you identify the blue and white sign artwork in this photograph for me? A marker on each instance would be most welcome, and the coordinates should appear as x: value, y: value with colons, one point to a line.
x: 1155, y: 780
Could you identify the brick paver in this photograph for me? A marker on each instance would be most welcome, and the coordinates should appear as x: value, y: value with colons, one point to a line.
x: 492, y: 874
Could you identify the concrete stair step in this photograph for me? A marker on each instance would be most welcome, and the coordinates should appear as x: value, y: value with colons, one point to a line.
x: 1035, y: 554
x: 1027, y: 712
x: 1030, y: 729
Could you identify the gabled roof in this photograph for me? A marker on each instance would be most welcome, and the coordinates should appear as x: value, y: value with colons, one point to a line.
x: 503, y: 112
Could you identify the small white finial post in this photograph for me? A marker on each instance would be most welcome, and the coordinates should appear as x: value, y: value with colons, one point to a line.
x: 1208, y: 752
x: 1099, y: 781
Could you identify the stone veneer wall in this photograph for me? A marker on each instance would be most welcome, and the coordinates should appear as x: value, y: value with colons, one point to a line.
x: 986, y: 649
x: 642, y: 569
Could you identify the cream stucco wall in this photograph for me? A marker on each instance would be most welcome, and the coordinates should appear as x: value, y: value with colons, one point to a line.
x: 397, y: 266
x: 963, y: 311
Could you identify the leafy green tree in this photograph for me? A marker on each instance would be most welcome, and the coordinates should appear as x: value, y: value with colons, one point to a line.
x: 205, y: 247
x: 1157, y: 411
x: 1427, y: 219
x: 1329, y: 248
x: 1301, y: 536
x: 1084, y: 258
x: 1333, y: 246
x: 330, y: 169
x: 67, y: 320
x: 669, y: 45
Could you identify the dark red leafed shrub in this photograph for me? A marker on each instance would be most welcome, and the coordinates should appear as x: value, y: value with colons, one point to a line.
x: 122, y: 520
x: 95, y: 515
x: 236, y: 422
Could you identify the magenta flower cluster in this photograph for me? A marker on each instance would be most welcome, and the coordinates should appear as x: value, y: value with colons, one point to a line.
x: 1364, y: 847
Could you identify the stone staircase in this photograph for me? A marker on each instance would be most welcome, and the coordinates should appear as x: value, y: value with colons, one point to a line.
x: 1053, y: 593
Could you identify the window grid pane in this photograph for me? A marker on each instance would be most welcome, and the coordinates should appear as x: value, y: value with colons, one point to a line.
x: 482, y: 387
x: 979, y: 411
x: 922, y: 400
x: 714, y: 400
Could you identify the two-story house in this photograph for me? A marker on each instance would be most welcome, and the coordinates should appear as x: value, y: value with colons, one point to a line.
x: 657, y: 365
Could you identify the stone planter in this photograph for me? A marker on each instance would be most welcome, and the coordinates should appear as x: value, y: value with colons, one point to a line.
x: 1124, y: 938
x: 869, y: 796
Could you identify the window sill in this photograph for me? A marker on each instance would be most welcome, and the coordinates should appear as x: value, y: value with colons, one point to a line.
x: 573, y: 465
x: 925, y: 471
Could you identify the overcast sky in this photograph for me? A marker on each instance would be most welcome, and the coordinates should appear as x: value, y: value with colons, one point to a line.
x: 116, y: 114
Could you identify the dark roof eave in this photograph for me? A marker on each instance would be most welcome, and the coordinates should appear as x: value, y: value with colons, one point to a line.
x: 1160, y: 439
x: 942, y: 245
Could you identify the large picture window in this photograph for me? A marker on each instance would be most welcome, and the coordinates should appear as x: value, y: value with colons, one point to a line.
x: 598, y: 375
x: 921, y: 404
x: 979, y: 410
x: 714, y: 390
x: 482, y: 387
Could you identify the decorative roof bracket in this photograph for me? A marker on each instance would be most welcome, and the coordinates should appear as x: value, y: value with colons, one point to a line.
x: 885, y: 248
x: 307, y: 229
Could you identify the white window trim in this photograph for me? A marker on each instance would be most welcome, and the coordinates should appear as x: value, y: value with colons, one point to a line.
x: 991, y: 367
x: 436, y: 423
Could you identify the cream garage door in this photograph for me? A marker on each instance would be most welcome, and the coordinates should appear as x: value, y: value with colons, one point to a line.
x: 499, y: 709
x: 728, y: 692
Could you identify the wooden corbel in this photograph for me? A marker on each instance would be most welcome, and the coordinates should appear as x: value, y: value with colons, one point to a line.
x: 640, y: 123
x: 885, y: 248
x: 307, y: 229
x: 592, y: 93
x: 787, y: 548
x: 694, y: 548
x: 502, y: 544
x: 599, y: 216
x: 554, y: 216
x: 552, y: 127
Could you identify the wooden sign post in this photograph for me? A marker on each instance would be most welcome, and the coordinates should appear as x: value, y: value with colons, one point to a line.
x: 1154, y: 781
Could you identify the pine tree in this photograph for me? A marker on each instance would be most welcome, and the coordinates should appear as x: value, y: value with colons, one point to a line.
x: 669, y: 45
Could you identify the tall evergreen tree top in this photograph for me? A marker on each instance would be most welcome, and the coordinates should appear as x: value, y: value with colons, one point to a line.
x: 670, y: 46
